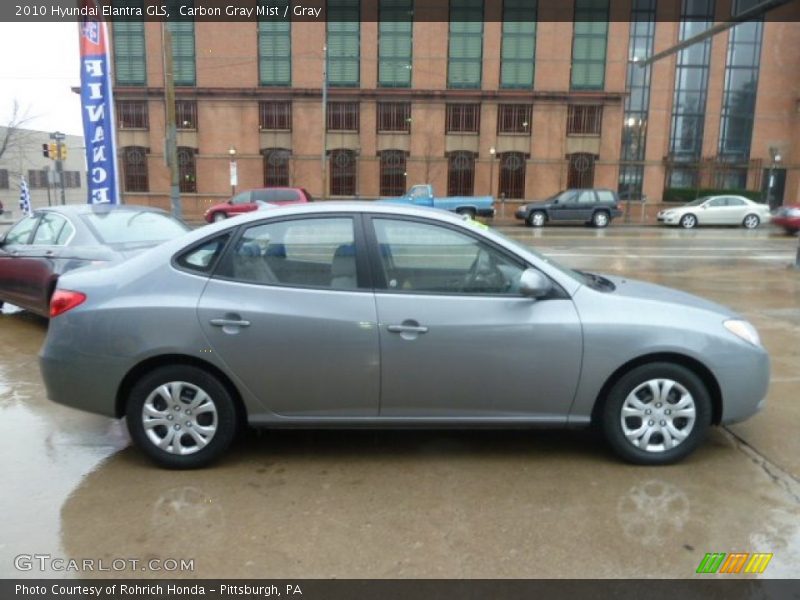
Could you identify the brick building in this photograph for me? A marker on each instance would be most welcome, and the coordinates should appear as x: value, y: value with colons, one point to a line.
x: 503, y: 97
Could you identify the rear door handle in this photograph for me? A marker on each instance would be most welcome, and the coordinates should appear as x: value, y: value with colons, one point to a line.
x: 407, y: 328
x: 229, y: 323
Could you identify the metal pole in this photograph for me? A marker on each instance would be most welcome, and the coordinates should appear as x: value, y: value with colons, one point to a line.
x: 48, y: 177
x: 170, y: 145
x: 323, y: 161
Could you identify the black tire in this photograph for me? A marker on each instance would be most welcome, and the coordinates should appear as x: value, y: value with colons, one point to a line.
x: 466, y: 210
x: 751, y: 221
x: 536, y: 218
x: 219, y: 216
x: 225, y: 421
x: 601, y: 219
x: 688, y: 221
x: 612, y: 414
x: 790, y: 230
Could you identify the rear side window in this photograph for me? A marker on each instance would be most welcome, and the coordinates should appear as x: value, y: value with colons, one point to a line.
x: 606, y: 196
x: 586, y: 197
x: 202, y: 258
x: 51, y: 231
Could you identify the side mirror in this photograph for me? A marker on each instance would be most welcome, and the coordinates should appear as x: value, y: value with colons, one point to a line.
x: 534, y: 284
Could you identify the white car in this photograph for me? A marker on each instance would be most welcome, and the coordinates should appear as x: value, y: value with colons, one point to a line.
x: 717, y: 210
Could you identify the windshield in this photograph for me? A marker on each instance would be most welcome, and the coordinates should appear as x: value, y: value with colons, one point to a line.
x: 697, y: 202
x: 133, y: 227
x: 576, y: 275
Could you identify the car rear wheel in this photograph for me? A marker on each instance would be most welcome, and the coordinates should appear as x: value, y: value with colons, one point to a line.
x: 181, y: 416
x: 600, y: 219
x: 751, y: 221
x: 536, y: 219
x: 656, y: 414
x: 219, y: 216
x: 688, y: 221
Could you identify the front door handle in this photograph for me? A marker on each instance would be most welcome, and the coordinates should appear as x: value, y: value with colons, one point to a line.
x: 407, y: 329
x: 229, y: 323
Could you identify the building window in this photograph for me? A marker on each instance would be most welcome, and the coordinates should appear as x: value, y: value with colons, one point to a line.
x: 637, y: 86
x: 132, y: 114
x: 394, y: 117
x: 72, y: 179
x: 512, y: 175
x: 37, y: 178
x: 584, y: 119
x: 580, y: 172
x: 691, y: 88
x: 130, y: 65
x: 276, y: 167
x: 395, y: 39
x: 461, y: 174
x: 463, y: 118
x: 465, y: 51
x: 343, y: 33
x: 134, y: 168
x: 393, y: 172
x: 739, y: 98
x: 183, y: 51
x: 4, y: 179
x: 275, y: 46
x: 275, y: 115
x: 343, y: 172
x: 342, y: 116
x: 513, y: 118
x: 186, y: 114
x: 518, y: 52
x: 589, y: 45
x: 187, y: 170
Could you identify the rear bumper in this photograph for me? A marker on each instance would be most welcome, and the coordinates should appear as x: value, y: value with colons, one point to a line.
x: 787, y: 222
x: 485, y: 212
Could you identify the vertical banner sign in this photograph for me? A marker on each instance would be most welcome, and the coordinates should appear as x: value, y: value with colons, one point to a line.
x: 97, y: 107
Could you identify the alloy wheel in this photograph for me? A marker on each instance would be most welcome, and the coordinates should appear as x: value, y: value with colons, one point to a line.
x: 537, y: 219
x: 751, y: 221
x: 658, y: 415
x: 179, y: 418
x: 688, y: 221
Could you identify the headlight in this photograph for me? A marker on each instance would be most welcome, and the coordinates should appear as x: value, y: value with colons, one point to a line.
x: 743, y: 330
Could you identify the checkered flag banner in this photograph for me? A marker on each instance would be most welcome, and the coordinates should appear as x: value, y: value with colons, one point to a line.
x: 24, y: 197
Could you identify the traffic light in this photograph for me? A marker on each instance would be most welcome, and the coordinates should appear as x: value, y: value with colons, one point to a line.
x: 46, y: 150
x: 53, y: 151
x: 63, y: 155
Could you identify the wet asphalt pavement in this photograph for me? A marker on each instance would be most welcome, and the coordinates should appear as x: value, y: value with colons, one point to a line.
x: 429, y: 504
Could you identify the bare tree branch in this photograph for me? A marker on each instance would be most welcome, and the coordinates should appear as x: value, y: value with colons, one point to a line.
x: 13, y: 130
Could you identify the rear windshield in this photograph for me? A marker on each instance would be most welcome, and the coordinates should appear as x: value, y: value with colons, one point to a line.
x: 133, y: 227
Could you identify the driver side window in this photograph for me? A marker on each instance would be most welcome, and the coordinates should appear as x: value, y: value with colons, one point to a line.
x: 424, y: 258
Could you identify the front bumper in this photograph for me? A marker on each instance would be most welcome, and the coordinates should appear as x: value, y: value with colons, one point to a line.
x: 668, y: 219
x: 743, y: 382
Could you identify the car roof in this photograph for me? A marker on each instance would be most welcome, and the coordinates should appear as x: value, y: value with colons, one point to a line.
x: 99, y: 209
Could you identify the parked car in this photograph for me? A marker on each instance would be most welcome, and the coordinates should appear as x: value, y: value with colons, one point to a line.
x: 422, y: 195
x: 40, y: 248
x: 249, y: 201
x: 717, y: 210
x: 596, y: 207
x: 788, y: 217
x: 376, y: 315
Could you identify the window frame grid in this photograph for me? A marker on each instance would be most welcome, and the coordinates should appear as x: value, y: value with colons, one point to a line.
x: 343, y: 116
x: 282, y: 115
x: 514, y: 119
x: 132, y: 114
x: 458, y: 119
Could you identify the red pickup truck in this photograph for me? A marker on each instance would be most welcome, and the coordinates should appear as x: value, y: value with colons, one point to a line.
x: 249, y: 201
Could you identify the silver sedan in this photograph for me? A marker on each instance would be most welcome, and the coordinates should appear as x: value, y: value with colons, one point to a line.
x: 377, y: 315
x: 717, y: 210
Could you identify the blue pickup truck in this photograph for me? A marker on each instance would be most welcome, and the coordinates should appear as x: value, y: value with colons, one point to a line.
x: 422, y: 195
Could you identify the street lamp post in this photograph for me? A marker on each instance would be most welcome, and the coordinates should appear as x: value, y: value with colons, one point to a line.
x: 776, y: 158
x: 233, y: 169
x: 492, y: 152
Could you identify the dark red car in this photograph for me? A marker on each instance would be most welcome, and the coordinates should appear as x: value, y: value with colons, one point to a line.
x: 788, y: 217
x: 249, y: 201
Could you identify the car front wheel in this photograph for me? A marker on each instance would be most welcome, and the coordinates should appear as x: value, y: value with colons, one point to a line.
x: 688, y: 221
x: 656, y: 414
x: 536, y: 219
x: 219, y: 216
x: 600, y: 219
x: 181, y: 416
x: 751, y: 221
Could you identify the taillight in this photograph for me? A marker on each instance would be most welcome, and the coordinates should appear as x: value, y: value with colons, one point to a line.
x: 64, y: 300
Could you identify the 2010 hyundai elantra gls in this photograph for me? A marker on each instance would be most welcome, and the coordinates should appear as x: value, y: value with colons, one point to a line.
x: 371, y: 315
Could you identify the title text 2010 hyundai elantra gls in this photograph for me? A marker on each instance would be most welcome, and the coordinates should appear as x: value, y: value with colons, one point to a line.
x: 369, y: 315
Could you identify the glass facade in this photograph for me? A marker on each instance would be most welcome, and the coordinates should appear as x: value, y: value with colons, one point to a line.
x: 589, y: 40
x: 465, y: 51
x: 739, y: 97
x: 518, y: 52
x: 395, y: 40
x: 275, y: 47
x: 344, y: 43
x: 637, y: 85
x: 130, y: 66
x: 689, y: 100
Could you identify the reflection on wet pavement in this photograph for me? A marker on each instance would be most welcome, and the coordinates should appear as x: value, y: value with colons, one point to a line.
x: 425, y: 504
